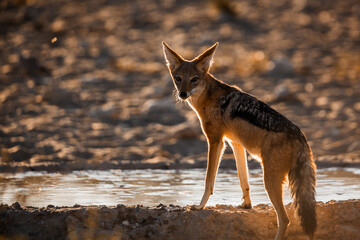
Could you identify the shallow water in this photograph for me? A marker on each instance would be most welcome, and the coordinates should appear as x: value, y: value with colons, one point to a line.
x: 151, y: 187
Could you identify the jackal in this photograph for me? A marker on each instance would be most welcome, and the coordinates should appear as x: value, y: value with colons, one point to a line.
x: 226, y: 113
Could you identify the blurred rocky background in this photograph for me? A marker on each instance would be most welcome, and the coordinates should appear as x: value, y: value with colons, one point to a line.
x: 84, y: 84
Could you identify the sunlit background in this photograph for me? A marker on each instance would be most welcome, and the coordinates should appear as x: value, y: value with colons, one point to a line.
x: 83, y: 84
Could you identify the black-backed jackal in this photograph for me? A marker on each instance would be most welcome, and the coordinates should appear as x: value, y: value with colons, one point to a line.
x: 228, y: 114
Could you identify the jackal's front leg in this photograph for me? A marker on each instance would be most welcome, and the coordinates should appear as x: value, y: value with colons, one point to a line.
x: 241, y: 165
x: 215, y: 151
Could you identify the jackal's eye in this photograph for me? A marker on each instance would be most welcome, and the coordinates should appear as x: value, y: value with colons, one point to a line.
x: 177, y: 79
x: 194, y: 79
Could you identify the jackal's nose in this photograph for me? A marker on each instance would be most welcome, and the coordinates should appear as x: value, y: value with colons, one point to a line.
x: 183, y: 95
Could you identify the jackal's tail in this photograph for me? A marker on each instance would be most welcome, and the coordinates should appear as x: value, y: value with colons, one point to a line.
x: 302, y: 182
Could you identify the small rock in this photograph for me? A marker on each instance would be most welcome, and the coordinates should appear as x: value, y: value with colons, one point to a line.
x: 283, y: 94
x: 16, y: 205
x: 48, y: 149
x: 31, y: 67
x: 83, y: 153
x: 19, y: 154
x: 163, y: 111
x: 280, y: 67
x: 121, y: 207
x: 61, y: 97
x: 134, y: 156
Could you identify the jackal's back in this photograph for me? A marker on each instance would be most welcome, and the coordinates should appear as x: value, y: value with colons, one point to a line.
x: 238, y: 104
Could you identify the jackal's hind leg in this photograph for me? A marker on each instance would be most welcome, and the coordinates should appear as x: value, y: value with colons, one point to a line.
x: 242, y: 169
x: 273, y: 181
x: 215, y: 151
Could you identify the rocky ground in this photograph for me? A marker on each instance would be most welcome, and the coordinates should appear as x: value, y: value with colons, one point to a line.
x: 84, y: 85
x: 336, y: 220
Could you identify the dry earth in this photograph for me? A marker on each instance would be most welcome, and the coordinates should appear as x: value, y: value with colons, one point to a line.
x: 336, y: 220
x: 83, y: 83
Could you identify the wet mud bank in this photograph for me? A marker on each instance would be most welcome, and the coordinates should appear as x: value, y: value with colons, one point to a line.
x: 336, y: 220
x: 321, y: 163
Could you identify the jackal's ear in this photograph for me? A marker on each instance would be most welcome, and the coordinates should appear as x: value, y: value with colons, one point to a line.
x: 205, y: 59
x: 172, y: 58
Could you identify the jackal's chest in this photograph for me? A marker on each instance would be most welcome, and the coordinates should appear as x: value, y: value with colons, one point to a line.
x: 210, y: 120
x: 206, y: 112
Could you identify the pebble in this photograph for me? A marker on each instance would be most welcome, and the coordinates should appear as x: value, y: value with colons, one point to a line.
x: 61, y: 97
x: 283, y: 94
x: 280, y: 67
x: 19, y: 154
x: 121, y: 207
x: 16, y: 205
x: 163, y: 111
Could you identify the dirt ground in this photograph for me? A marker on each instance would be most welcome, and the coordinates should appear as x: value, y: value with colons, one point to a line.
x: 83, y: 84
x: 336, y: 220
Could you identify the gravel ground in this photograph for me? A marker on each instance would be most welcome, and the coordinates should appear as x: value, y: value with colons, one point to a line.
x: 336, y: 220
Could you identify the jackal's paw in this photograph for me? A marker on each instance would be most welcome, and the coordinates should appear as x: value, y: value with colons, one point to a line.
x: 196, y: 207
x: 246, y: 206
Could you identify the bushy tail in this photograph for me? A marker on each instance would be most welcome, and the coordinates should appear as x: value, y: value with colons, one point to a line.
x: 302, y: 182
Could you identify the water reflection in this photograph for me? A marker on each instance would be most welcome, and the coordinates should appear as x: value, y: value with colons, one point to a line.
x: 151, y: 187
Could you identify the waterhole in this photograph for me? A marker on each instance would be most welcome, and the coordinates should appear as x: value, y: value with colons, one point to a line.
x: 152, y: 187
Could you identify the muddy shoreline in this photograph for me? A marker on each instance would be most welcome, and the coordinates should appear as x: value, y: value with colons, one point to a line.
x: 336, y: 220
x: 225, y: 164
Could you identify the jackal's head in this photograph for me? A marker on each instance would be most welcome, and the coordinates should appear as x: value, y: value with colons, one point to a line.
x: 188, y: 76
